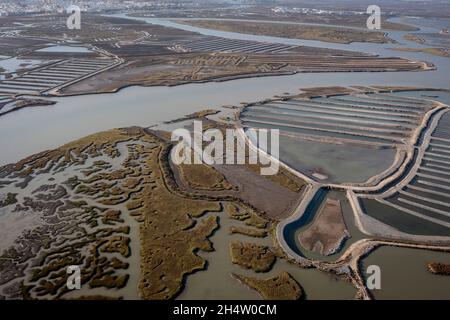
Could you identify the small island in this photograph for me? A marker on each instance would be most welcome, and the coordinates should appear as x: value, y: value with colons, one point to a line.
x: 442, y: 269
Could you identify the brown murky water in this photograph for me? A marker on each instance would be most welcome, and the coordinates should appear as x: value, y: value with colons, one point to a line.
x: 216, y: 282
x: 404, y: 274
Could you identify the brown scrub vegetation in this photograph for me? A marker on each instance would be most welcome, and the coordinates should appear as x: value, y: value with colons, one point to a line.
x: 88, y: 230
x: 248, y: 232
x: 8, y: 200
x: 279, y: 287
x: 251, y: 256
x: 249, y: 217
x: 203, y: 177
x: 439, y: 268
x: 293, y: 31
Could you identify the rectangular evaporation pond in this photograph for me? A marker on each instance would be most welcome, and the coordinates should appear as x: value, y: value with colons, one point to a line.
x: 419, y: 183
x: 263, y: 49
x: 76, y: 65
x: 433, y: 95
x: 67, y: 69
x: 361, y: 105
x: 430, y: 194
x: 243, y: 47
x: 442, y: 177
x: 16, y: 87
x: 381, y: 101
x: 62, y: 70
x: 433, y: 159
x: 67, y: 49
x: 325, y: 117
x: 441, y: 159
x: 432, y: 183
x: 325, y: 110
x: 297, y: 104
x: 417, y: 206
x: 45, y: 81
x: 439, y: 150
x: 434, y: 165
x: 354, y: 114
x: 395, y: 96
x: 443, y: 137
x: 19, y: 85
x: 445, y: 119
x: 216, y: 46
x: 93, y: 63
x: 315, y: 133
x: 205, y: 41
x: 357, y: 118
x: 444, y: 122
x: 358, y: 105
x: 366, y: 102
x: 335, y: 126
x: 440, y: 143
x: 317, y: 129
x: 216, y: 41
x: 402, y: 220
x: 52, y: 75
x: 425, y: 200
x: 442, y: 133
x: 49, y: 75
x: 386, y: 98
x: 80, y: 66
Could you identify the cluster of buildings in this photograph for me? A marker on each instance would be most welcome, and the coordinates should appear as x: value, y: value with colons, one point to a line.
x: 19, y: 7
x: 281, y: 9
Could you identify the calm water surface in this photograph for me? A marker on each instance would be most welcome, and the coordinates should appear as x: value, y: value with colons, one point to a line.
x: 404, y: 274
